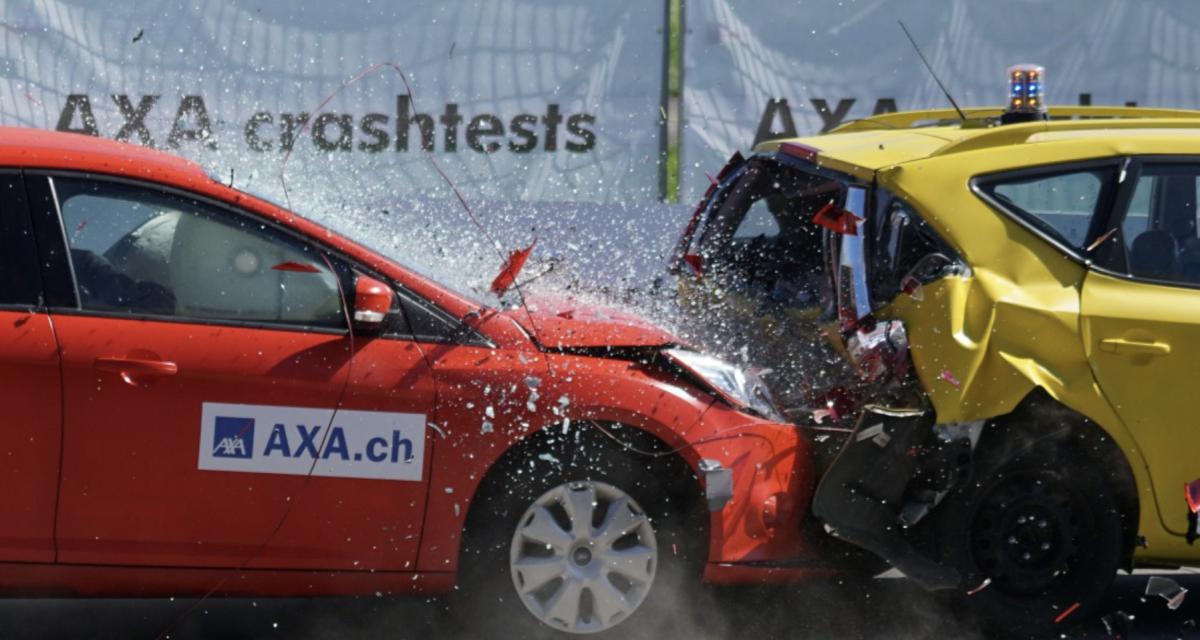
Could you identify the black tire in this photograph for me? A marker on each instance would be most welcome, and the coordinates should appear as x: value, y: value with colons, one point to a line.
x: 486, y: 602
x: 1043, y: 525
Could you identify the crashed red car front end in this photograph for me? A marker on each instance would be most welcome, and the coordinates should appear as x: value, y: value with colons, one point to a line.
x: 252, y: 404
x: 603, y: 370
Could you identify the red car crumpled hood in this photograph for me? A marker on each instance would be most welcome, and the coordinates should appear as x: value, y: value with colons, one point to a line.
x: 559, y: 324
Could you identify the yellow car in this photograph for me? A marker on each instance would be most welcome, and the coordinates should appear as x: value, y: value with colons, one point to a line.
x: 1019, y: 295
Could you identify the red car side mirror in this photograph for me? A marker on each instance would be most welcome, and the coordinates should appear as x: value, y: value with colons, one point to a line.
x: 372, y: 302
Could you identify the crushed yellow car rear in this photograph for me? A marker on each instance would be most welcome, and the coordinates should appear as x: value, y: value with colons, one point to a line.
x: 1024, y: 300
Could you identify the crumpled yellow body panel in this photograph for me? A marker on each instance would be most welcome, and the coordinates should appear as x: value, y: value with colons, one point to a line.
x: 982, y: 342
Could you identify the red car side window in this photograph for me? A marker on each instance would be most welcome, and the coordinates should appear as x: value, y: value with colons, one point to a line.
x: 20, y: 283
x: 139, y: 251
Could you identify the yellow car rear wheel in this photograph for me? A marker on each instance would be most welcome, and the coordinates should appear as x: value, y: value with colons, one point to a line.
x: 1042, y: 527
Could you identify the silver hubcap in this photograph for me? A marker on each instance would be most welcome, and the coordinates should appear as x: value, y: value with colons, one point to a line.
x: 583, y: 557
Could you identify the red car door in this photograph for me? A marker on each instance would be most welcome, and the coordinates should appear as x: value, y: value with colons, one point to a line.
x: 204, y: 355
x: 30, y: 386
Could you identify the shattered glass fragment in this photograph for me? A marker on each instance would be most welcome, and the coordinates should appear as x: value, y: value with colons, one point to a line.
x: 1167, y: 589
x: 1117, y: 624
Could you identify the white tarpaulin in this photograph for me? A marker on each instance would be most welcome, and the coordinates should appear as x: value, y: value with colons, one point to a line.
x: 545, y: 112
x: 834, y: 60
x: 520, y: 99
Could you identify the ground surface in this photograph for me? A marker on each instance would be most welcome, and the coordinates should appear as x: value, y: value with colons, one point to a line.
x: 886, y: 608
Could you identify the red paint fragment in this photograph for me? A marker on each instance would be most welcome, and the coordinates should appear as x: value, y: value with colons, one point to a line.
x: 1069, y: 610
x: 949, y: 377
x: 837, y: 219
x: 1192, y: 493
x: 711, y: 180
x: 695, y: 262
x: 512, y: 267
x: 912, y: 287
x: 296, y: 267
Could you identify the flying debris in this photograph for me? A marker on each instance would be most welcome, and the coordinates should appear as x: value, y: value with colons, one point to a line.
x: 1167, y: 589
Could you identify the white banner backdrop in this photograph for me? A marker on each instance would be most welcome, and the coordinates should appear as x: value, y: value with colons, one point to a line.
x: 525, y: 103
x: 805, y: 65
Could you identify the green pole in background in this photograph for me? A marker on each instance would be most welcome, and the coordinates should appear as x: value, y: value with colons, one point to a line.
x: 672, y: 89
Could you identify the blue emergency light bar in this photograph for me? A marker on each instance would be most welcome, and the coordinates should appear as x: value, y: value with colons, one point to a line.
x: 1026, y: 89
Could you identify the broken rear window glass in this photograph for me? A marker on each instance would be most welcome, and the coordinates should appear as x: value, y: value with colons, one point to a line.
x: 758, y: 232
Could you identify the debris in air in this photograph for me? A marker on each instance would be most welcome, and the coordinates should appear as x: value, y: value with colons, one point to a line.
x: 912, y: 288
x: 296, y: 267
x: 982, y: 585
x: 1099, y: 241
x: 1192, y: 495
x: 1168, y: 590
x: 138, y: 36
x: 950, y: 378
x: 1118, y: 624
x: 837, y: 219
x: 1066, y: 612
x: 512, y: 267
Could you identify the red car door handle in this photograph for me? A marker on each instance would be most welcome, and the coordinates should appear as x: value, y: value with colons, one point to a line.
x: 137, y: 366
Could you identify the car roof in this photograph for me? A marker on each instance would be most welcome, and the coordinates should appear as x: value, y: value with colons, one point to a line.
x: 861, y: 147
x: 40, y: 149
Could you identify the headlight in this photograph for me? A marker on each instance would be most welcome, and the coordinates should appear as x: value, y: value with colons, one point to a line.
x: 736, y: 386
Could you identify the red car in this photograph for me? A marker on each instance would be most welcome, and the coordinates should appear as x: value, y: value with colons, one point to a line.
x: 206, y: 392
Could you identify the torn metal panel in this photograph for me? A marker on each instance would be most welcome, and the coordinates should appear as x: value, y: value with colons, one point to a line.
x: 718, y: 484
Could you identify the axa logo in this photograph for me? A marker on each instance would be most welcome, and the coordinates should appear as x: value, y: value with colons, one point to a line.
x: 233, y: 438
